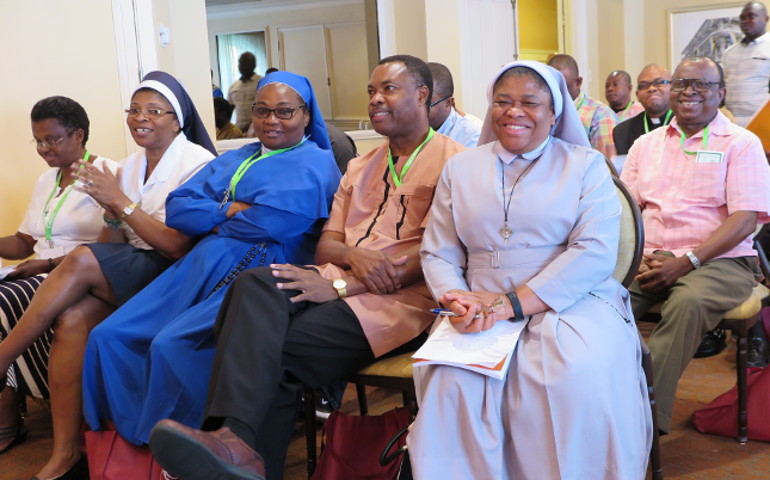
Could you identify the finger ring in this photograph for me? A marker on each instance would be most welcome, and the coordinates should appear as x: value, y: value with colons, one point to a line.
x: 89, y: 184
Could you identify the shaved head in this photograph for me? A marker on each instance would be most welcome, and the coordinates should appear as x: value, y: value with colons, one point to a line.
x: 568, y: 67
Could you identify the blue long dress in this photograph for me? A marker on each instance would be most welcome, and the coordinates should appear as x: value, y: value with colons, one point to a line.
x: 151, y: 358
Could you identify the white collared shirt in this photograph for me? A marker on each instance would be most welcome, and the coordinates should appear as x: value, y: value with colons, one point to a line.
x: 747, y: 75
x: 78, y: 221
x: 181, y: 161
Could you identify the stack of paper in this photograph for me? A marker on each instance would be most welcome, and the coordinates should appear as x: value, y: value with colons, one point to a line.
x: 488, y: 353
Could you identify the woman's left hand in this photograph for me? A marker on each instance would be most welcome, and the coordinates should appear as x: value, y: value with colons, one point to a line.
x: 313, y: 286
x: 476, y: 311
x: 29, y: 268
x: 102, y: 185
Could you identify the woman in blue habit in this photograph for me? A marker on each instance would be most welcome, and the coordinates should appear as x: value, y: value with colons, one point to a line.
x: 264, y: 203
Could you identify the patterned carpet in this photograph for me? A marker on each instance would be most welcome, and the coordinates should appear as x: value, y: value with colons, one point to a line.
x: 687, y: 454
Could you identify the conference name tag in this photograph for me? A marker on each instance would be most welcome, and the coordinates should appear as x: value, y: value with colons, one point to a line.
x: 706, y: 156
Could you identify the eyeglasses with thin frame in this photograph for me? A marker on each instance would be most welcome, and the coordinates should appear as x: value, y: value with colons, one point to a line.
x: 698, y: 84
x: 527, y: 106
x: 657, y: 83
x: 49, y: 143
x: 148, y: 112
x: 440, y: 100
x: 282, y: 113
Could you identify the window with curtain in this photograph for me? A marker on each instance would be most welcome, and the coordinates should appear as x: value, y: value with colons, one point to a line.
x: 229, y: 49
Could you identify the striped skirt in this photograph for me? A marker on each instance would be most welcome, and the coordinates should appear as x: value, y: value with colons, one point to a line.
x: 29, y: 374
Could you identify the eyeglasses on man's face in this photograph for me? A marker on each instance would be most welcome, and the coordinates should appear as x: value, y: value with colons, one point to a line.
x: 440, y: 100
x: 698, y: 84
x: 657, y: 83
x: 147, y: 112
x: 282, y: 113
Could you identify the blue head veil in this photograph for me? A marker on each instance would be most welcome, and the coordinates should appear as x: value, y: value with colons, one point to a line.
x: 316, y: 128
x: 186, y: 114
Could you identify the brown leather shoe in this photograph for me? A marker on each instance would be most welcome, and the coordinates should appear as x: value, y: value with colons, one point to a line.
x: 197, y: 455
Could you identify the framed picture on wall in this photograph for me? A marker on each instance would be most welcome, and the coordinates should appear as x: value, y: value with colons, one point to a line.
x: 703, y: 31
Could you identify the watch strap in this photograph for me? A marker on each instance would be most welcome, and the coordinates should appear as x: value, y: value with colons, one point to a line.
x: 518, y: 312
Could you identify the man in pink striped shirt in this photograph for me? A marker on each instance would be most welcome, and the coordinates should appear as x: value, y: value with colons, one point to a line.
x: 703, y: 184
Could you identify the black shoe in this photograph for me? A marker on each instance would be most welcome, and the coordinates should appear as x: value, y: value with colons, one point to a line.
x: 758, y: 350
x: 713, y: 343
x: 79, y: 471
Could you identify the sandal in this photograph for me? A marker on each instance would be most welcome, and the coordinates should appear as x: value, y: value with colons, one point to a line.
x: 17, y: 432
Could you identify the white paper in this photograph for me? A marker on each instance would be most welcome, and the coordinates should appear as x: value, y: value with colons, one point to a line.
x: 5, y: 271
x: 480, y: 352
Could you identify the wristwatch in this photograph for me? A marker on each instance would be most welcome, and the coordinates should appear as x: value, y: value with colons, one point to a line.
x: 693, y: 260
x: 341, y: 286
x: 129, y: 210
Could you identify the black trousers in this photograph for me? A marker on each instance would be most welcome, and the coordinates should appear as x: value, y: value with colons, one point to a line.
x: 268, y: 348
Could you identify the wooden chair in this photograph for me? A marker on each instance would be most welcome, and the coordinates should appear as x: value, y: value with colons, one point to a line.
x: 396, y: 372
x: 738, y: 321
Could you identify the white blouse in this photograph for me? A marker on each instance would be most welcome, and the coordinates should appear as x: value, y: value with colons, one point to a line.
x: 78, y: 221
x: 181, y: 161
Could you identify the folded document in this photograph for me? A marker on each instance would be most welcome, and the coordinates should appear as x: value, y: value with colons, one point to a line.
x: 488, y: 353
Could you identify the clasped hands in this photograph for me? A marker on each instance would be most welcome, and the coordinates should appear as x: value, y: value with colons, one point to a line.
x: 476, y: 311
x: 376, y: 270
x: 658, y: 271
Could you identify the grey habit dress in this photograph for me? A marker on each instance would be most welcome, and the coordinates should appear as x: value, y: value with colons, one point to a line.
x: 573, y: 404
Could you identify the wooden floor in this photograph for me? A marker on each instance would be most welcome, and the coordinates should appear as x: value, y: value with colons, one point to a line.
x: 687, y: 454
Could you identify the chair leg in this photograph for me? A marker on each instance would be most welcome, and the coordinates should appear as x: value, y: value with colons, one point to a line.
x: 655, y: 465
x: 310, y: 431
x: 742, y: 364
x: 363, y: 406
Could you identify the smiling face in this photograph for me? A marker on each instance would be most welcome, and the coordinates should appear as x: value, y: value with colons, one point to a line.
x: 617, y: 90
x: 654, y: 98
x: 273, y: 132
x: 61, y: 154
x: 396, y: 101
x: 522, y: 113
x: 694, y: 110
x: 152, y: 133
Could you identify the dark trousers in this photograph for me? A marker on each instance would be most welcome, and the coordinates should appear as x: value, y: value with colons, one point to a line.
x: 268, y: 348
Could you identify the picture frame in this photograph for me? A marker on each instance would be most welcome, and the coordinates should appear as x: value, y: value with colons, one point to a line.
x: 703, y: 31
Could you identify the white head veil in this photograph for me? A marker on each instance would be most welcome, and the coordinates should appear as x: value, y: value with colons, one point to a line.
x: 567, y: 127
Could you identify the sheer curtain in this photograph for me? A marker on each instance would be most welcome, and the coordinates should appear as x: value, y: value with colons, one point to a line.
x: 229, y: 49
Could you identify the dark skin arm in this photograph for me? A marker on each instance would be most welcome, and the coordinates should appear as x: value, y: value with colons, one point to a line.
x: 661, y: 271
x: 16, y: 246
x: 406, y: 270
x: 379, y: 272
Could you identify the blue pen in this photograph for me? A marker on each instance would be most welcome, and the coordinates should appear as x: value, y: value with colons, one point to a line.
x: 445, y: 312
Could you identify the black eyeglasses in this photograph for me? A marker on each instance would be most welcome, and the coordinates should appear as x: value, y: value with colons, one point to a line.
x: 147, y: 112
x: 698, y: 84
x: 657, y: 83
x: 439, y: 101
x: 282, y: 113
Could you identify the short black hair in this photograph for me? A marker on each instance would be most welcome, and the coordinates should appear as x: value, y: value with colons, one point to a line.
x: 222, y: 105
x: 417, y: 69
x: 69, y: 113
x: 442, y: 78
x: 522, y: 71
x: 562, y: 61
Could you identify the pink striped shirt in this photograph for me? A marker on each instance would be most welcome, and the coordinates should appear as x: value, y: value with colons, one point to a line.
x: 684, y: 200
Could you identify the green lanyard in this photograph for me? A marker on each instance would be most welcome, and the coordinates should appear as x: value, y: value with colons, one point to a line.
x: 48, y: 219
x: 245, y: 165
x: 665, y: 120
x: 705, y: 141
x: 583, y: 99
x: 627, y: 107
x: 398, y: 179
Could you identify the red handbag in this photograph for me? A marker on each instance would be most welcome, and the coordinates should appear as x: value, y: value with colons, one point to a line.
x: 111, y: 457
x: 719, y: 416
x: 353, y: 445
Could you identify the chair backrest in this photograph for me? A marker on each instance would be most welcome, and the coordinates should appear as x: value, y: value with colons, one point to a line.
x: 631, y: 237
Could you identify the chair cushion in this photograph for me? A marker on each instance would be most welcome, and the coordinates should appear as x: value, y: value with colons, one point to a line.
x: 396, y: 366
x: 751, y: 306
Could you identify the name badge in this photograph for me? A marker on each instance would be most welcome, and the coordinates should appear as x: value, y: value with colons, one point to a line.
x: 705, y: 156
